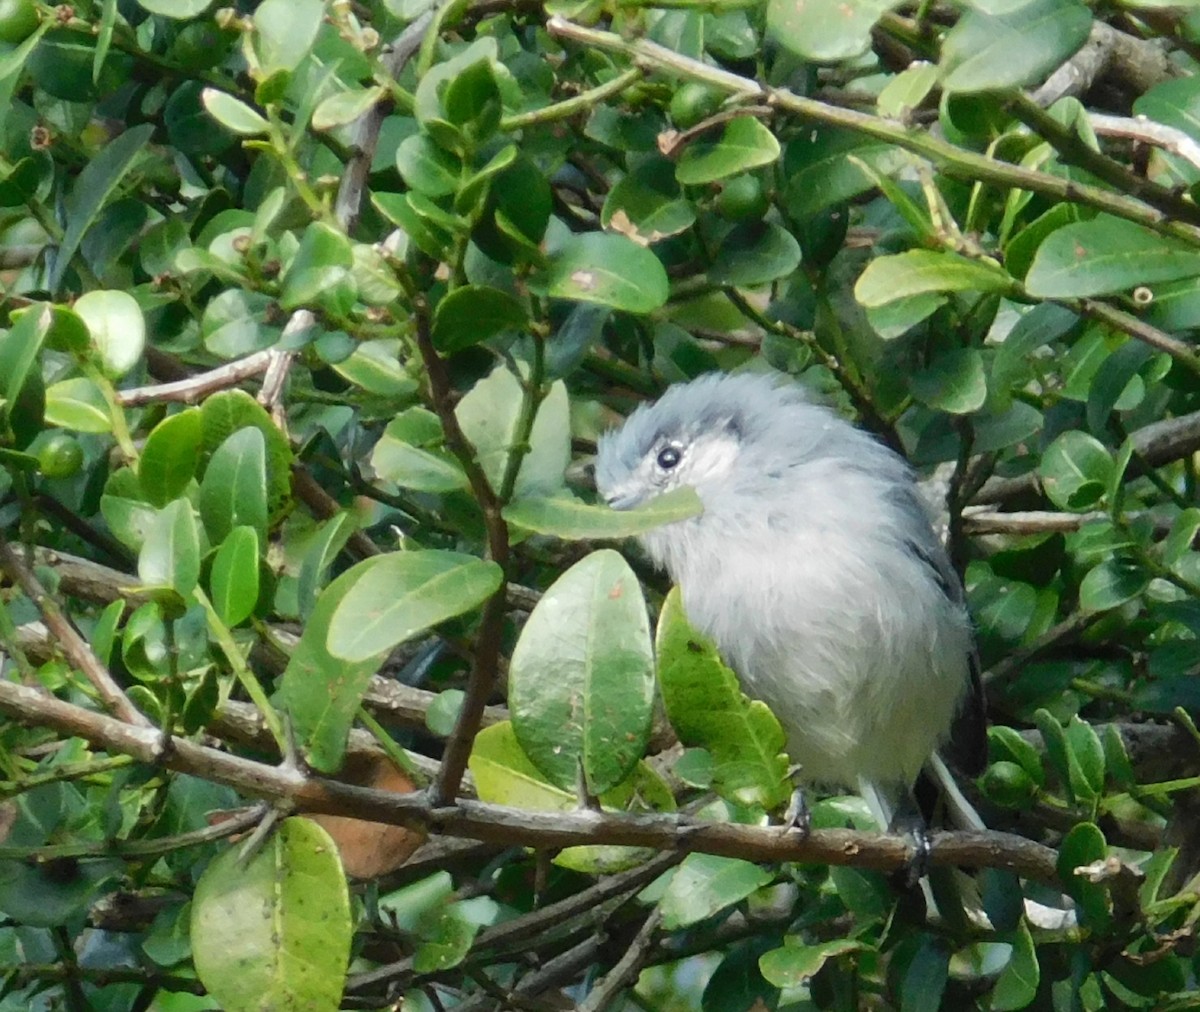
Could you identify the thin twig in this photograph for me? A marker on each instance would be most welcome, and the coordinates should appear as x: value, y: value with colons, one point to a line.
x: 1180, y: 351
x: 585, y: 101
x: 516, y: 934
x: 1147, y: 131
x: 196, y: 388
x: 76, y: 649
x: 1074, y: 149
x: 1012, y: 665
x: 238, y: 822
x: 364, y: 136
x: 627, y: 968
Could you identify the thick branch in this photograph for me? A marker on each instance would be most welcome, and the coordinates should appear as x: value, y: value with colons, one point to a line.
x: 495, y: 823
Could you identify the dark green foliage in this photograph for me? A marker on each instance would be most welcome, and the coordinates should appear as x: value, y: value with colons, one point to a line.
x: 310, y: 316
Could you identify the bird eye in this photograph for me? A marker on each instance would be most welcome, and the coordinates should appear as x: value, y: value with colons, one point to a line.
x: 668, y: 457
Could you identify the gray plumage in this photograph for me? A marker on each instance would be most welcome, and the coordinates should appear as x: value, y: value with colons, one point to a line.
x: 815, y: 569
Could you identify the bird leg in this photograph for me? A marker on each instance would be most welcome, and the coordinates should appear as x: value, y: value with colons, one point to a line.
x: 797, y: 817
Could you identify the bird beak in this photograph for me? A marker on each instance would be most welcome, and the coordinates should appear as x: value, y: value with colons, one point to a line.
x: 621, y: 499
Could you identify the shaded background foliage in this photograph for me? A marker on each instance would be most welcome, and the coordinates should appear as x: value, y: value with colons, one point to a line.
x: 313, y: 314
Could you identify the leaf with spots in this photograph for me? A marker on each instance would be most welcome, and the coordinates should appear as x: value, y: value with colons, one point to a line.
x: 581, y: 682
x: 274, y: 931
x: 607, y: 269
x: 1107, y: 255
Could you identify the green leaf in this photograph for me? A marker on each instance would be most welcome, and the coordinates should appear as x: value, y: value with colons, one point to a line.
x: 472, y: 314
x: 443, y: 712
x: 117, y: 328
x: 744, y: 144
x: 1179, y: 541
x: 274, y: 931
x: 234, y: 579
x: 124, y: 511
x: 67, y: 330
x: 1083, y: 845
x: 888, y: 278
x: 1106, y: 255
x: 171, y: 456
x: 375, y: 366
x: 1059, y: 752
x: 505, y: 775
x: 1116, y: 377
x: 322, y: 693
x: 490, y: 415
x: 647, y: 204
x: 226, y: 412
x: 905, y: 92
x: 705, y: 884
x: 1018, y: 982
x: 180, y: 10
x: 233, y: 114
x: 708, y: 710
x: 170, y: 555
x: 794, y: 963
x: 345, y: 107
x: 1075, y: 470
x: 607, y: 269
x: 955, y: 382
x: 925, y: 977
x: 825, y: 31
x: 1111, y: 584
x: 19, y: 349
x: 755, y: 253
x: 471, y: 100
x: 415, y: 468
x: 99, y: 178
x: 1019, y: 46
x: 826, y: 166
x: 396, y: 596
x: 1007, y: 743
x: 234, y: 324
x: 1174, y: 103
x: 234, y: 490
x: 284, y: 32
x: 571, y: 519
x: 321, y: 271
x: 427, y: 168
x: 581, y: 679
x: 1087, y: 753
x: 323, y: 550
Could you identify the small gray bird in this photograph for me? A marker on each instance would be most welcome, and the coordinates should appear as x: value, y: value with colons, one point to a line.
x: 815, y: 569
